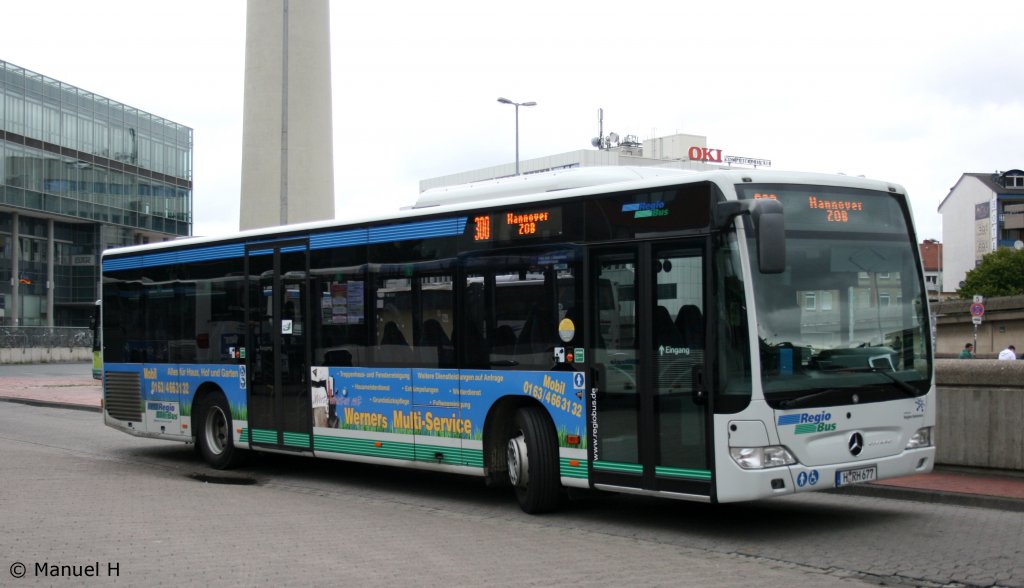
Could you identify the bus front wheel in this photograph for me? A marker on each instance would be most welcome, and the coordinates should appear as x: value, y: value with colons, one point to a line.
x: 532, y: 454
x: 214, y: 438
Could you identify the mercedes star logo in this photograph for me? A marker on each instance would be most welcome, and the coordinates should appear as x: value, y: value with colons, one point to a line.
x: 856, y: 444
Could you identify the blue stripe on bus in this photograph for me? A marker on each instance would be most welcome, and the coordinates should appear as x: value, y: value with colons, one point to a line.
x: 451, y: 227
x: 174, y: 257
x: 440, y: 228
x: 339, y: 239
x: 212, y: 253
x: 789, y: 419
x: 169, y: 258
x: 122, y: 263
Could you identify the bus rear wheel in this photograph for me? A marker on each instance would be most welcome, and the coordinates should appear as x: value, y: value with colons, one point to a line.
x: 214, y: 437
x: 532, y: 454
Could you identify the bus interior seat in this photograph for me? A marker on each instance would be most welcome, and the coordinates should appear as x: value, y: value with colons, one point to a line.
x: 432, y: 334
x: 689, y: 323
x: 434, y: 347
x: 505, y: 339
x: 392, y: 335
x: 665, y: 332
x: 537, y: 334
x: 338, y: 358
x: 475, y: 349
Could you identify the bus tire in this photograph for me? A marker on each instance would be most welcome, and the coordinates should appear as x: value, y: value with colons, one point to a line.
x: 532, y: 454
x: 214, y: 438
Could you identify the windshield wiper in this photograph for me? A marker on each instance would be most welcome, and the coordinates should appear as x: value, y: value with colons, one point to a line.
x: 903, y: 386
x: 807, y: 398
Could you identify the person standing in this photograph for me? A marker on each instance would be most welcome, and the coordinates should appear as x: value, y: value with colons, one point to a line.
x: 1009, y: 353
x: 967, y: 352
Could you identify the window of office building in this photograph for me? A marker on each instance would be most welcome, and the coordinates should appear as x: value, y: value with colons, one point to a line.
x: 109, y: 169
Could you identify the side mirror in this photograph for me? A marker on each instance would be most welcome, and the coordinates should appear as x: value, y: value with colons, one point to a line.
x: 769, y: 230
x: 771, y: 236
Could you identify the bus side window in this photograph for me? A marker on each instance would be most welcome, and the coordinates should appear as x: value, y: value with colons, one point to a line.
x: 515, y: 305
x: 433, y: 314
x: 472, y: 342
x: 394, y: 322
x: 340, y: 331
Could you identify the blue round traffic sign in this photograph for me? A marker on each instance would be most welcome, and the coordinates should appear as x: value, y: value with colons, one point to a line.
x: 977, y: 309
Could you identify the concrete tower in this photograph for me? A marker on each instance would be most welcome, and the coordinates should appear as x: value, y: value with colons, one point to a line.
x: 287, y: 153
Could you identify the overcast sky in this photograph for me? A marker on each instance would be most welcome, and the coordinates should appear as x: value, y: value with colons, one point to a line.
x: 915, y: 93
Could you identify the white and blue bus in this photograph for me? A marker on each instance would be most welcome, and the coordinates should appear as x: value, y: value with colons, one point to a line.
x: 715, y: 336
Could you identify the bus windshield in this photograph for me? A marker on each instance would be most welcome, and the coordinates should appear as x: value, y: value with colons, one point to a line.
x: 846, y: 320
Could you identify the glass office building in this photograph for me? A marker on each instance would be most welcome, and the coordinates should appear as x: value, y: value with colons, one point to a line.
x: 80, y: 173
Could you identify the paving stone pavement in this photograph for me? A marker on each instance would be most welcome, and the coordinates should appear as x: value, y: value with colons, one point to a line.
x: 157, y: 527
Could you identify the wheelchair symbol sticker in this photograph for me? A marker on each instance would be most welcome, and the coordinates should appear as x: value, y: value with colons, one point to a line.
x: 807, y: 479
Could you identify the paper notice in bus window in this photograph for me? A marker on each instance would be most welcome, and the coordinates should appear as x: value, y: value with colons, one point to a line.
x: 356, y: 312
x: 326, y: 308
x: 339, y: 303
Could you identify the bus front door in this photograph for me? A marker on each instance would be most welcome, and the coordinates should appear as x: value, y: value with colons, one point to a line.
x: 649, y: 428
x: 280, y: 409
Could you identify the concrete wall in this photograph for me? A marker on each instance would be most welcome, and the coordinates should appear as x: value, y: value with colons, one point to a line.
x: 18, y: 355
x: 1003, y: 325
x: 980, y: 413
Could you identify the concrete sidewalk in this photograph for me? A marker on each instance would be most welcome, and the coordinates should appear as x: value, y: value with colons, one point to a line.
x: 78, y: 392
x: 949, y: 485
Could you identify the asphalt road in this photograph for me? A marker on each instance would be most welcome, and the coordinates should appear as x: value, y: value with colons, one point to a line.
x: 75, y: 493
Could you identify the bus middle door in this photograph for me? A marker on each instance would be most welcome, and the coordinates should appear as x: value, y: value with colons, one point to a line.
x: 650, y: 412
x: 280, y: 406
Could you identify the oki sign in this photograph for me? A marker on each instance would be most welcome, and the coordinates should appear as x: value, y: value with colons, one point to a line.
x: 705, y: 154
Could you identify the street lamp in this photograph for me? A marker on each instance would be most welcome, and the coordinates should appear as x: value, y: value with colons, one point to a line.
x: 517, y: 105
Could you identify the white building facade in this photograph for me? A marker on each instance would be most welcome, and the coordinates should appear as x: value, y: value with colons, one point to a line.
x: 981, y: 213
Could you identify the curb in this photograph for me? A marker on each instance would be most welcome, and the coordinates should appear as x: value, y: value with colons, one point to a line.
x: 44, y: 403
x: 933, y: 497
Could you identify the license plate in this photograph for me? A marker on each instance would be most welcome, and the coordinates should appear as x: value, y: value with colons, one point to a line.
x: 857, y: 476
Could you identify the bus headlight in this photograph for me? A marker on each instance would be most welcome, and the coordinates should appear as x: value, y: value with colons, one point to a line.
x: 759, y: 458
x: 922, y: 438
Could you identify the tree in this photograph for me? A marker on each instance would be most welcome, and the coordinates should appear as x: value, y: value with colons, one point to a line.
x: 1001, y: 273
